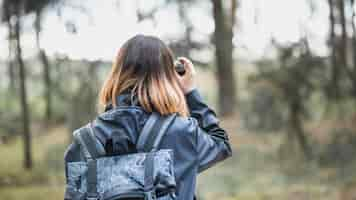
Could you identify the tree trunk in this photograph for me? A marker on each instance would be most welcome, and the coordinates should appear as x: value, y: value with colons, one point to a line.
x: 343, y: 45
x: 353, y: 48
x: 47, y: 81
x: 297, y: 128
x: 233, y: 12
x: 23, y: 96
x: 223, y: 52
x: 335, y: 75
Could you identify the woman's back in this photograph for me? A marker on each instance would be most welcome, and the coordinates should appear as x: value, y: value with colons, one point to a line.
x: 197, y: 142
x: 143, y: 79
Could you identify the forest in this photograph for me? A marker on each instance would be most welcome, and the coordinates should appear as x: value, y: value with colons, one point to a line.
x: 280, y: 74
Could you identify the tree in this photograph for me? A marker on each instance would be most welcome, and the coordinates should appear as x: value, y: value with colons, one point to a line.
x: 334, y: 87
x: 341, y: 71
x: 23, y: 94
x: 38, y: 8
x: 353, y: 25
x: 223, y: 35
x: 343, y: 42
x: 300, y: 73
x: 47, y: 81
x: 15, y: 9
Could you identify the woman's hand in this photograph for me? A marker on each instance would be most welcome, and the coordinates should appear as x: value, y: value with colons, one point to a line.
x: 187, y: 80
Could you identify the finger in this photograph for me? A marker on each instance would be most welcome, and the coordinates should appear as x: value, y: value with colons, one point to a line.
x: 188, y: 64
x: 184, y: 60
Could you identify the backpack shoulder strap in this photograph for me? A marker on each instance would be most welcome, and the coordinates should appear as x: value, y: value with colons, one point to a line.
x: 149, y: 138
x: 90, y: 146
x: 153, y: 131
x: 148, y: 141
x: 92, y: 149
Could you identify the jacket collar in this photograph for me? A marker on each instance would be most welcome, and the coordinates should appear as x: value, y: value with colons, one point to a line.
x: 123, y: 99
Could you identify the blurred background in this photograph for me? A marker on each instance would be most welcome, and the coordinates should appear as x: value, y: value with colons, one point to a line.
x: 280, y: 73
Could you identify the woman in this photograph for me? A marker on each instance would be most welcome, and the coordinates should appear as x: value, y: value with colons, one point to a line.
x: 142, y: 80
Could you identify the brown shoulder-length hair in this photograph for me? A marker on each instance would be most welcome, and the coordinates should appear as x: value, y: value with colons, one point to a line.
x: 144, y: 65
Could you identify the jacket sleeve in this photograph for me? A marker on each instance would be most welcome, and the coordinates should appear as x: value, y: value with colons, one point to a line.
x: 212, y: 141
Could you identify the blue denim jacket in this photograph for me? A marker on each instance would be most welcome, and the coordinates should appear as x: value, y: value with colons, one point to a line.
x: 198, y: 142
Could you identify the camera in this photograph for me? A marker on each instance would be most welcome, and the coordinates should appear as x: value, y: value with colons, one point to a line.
x: 179, y: 67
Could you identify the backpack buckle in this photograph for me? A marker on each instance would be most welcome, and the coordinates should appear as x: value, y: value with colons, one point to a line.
x: 92, y: 197
x: 150, y: 195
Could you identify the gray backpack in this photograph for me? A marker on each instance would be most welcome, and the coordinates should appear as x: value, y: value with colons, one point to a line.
x: 146, y: 175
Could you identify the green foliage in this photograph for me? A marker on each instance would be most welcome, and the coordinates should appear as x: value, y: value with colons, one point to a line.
x: 9, y: 114
x: 340, y: 151
x: 297, y: 74
x: 48, y: 156
x: 263, y: 110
